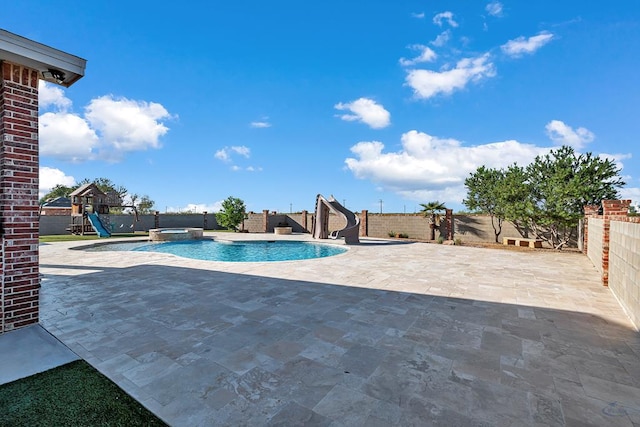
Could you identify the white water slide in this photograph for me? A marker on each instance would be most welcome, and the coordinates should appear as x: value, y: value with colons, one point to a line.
x: 350, y: 233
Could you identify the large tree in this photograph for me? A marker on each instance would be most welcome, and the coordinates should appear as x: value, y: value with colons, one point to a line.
x: 433, y: 211
x: 547, y: 197
x: 483, y: 187
x: 561, y: 184
x: 232, y: 213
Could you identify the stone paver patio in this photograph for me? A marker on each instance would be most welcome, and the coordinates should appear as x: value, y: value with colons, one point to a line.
x: 387, y: 334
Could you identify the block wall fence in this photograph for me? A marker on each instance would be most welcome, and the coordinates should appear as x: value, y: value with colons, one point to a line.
x: 467, y: 228
x: 612, y: 243
x: 19, y: 161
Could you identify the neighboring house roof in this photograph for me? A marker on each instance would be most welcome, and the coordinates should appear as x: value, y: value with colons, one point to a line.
x: 59, y: 203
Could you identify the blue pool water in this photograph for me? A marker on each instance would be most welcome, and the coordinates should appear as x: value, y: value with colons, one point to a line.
x: 245, y: 251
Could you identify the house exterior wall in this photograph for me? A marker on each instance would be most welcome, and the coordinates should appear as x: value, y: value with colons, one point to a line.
x: 19, y: 161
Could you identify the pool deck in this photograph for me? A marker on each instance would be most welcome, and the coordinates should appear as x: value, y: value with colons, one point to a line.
x: 386, y: 334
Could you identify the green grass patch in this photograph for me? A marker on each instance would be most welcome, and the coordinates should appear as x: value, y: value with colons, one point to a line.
x: 76, y: 237
x: 74, y: 394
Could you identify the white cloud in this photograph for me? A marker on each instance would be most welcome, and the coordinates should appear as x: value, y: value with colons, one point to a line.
x: 261, y: 124
x: 442, y: 39
x: 66, y: 136
x: 631, y: 193
x: 109, y: 128
x: 199, y: 207
x: 242, y: 150
x: 418, y: 15
x: 428, y: 167
x: 367, y: 111
x: 225, y: 153
x: 50, y: 177
x: 428, y: 83
x: 222, y: 154
x: 521, y: 45
x: 562, y: 134
x: 447, y: 17
x: 52, y: 96
x: 127, y: 125
x: 426, y: 55
x: 494, y: 8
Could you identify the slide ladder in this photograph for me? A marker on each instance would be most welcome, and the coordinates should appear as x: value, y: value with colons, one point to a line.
x: 97, y: 225
x: 320, y: 229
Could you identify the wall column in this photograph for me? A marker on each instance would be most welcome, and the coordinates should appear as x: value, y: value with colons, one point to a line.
x: 20, y: 278
x: 611, y: 210
x: 448, y: 216
x: 364, y: 226
x: 304, y: 220
x: 589, y: 211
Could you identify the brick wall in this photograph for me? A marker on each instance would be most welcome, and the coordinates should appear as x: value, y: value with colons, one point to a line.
x: 612, y: 243
x: 20, y: 283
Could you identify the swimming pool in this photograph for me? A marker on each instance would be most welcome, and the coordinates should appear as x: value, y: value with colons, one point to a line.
x: 238, y: 251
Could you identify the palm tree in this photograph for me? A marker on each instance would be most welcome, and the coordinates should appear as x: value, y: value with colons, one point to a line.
x: 432, y: 210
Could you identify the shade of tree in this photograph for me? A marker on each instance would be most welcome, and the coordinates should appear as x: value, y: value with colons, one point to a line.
x: 433, y: 211
x: 232, y: 213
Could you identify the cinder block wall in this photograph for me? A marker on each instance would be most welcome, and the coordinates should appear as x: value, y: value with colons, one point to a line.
x: 624, y: 266
x: 594, y: 244
x: 19, y: 275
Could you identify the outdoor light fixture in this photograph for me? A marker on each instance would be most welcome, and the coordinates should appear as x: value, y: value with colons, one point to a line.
x: 53, y: 74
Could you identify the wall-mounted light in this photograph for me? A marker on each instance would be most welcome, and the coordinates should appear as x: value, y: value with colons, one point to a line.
x: 53, y: 74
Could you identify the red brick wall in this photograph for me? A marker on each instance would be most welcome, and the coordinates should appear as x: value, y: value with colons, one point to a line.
x: 20, y: 283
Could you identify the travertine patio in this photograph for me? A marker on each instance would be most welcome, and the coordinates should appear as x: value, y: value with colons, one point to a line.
x: 387, y: 334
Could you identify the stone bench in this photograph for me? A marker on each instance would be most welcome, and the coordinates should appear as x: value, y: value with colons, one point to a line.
x: 521, y: 241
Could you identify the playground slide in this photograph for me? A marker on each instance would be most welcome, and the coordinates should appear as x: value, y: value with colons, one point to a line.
x: 94, y: 219
x: 350, y: 233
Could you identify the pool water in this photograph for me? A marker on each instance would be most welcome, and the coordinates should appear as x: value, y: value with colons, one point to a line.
x: 245, y: 251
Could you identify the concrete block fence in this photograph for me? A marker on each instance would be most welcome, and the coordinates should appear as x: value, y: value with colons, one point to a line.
x: 612, y: 243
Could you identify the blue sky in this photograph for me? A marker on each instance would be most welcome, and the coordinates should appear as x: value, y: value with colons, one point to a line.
x: 273, y: 103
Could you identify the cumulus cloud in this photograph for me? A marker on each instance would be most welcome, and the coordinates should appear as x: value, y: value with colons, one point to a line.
x: 66, y: 136
x: 426, y: 55
x: 52, y: 96
x: 198, y: 207
x: 442, y: 17
x: 494, y: 8
x: 427, y: 83
x: 442, y: 39
x: 109, y: 127
x: 230, y: 155
x: 127, y: 125
x: 429, y: 167
x: 521, y: 45
x: 564, y: 134
x: 225, y: 153
x: 367, y: 111
x: 631, y: 193
x: 50, y: 177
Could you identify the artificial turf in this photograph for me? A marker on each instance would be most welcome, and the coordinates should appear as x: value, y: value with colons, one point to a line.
x: 74, y: 394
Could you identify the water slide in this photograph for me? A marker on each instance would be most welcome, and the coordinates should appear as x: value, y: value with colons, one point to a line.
x: 97, y: 225
x: 350, y: 233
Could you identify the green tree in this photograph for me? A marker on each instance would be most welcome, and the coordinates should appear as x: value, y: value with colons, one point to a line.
x: 561, y: 183
x: 547, y: 197
x: 232, y: 213
x: 483, y: 188
x: 57, y: 191
x: 432, y: 210
x: 143, y: 204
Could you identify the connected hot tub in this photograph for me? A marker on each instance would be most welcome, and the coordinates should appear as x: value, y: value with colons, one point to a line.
x: 174, y: 234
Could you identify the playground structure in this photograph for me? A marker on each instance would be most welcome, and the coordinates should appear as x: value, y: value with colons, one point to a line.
x: 320, y: 229
x: 88, y: 202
